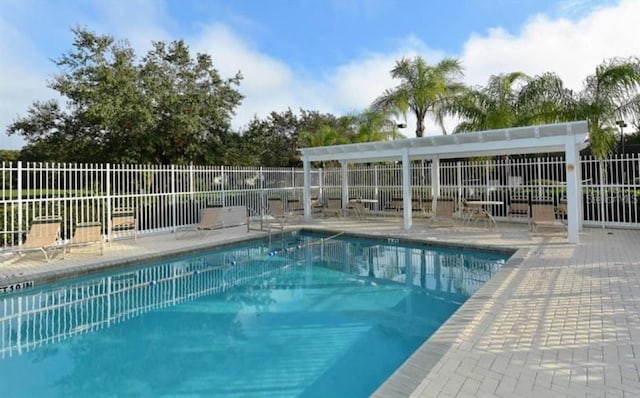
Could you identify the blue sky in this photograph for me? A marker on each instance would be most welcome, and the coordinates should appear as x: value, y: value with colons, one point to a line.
x: 328, y: 55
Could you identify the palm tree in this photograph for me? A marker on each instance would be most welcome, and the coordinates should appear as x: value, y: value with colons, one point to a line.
x: 610, y: 94
x: 371, y: 125
x: 324, y: 136
x: 510, y: 100
x: 423, y: 89
x: 491, y: 107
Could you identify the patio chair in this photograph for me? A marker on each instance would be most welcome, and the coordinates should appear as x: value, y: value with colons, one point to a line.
x: 276, y: 210
x: 123, y: 219
x: 210, y: 219
x: 357, y: 208
x: 334, y: 206
x: 543, y: 215
x: 264, y: 220
x: 422, y: 207
x: 445, y: 212
x: 316, y: 205
x: 43, y: 236
x: 294, y: 206
x: 519, y: 208
x: 87, y: 234
x: 393, y: 207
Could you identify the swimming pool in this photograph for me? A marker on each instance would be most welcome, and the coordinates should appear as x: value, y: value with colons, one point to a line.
x: 305, y: 316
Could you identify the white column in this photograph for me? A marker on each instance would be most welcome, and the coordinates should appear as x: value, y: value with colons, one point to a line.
x: 406, y: 190
x: 580, y: 194
x: 572, y: 163
x: 306, y: 189
x: 345, y: 183
x: 435, y: 183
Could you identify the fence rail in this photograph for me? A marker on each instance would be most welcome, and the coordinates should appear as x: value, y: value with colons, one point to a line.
x: 167, y: 197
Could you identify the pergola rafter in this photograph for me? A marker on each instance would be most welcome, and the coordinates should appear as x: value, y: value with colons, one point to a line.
x: 569, y: 138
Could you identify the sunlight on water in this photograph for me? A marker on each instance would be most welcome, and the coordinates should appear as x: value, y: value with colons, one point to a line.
x: 307, y: 317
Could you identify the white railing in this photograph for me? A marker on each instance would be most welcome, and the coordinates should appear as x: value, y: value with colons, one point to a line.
x: 167, y: 197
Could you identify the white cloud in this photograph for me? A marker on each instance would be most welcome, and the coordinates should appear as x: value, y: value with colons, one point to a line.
x: 20, y: 83
x: 570, y: 47
x: 267, y: 84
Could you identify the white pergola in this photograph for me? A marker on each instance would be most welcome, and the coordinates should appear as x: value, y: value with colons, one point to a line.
x: 569, y: 138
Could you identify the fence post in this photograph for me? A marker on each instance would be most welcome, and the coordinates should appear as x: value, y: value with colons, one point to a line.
x: 19, y: 203
x: 191, y: 181
x: 459, y: 178
x: 262, y: 200
x: 602, y: 178
x: 108, y: 195
x: 320, y: 186
x: 539, y: 171
x: 486, y: 178
x: 173, y: 197
x: 222, y: 186
x: 376, y: 205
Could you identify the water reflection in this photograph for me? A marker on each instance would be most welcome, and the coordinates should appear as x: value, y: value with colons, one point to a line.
x: 37, y: 318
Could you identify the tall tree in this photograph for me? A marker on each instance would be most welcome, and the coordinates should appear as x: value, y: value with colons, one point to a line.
x: 610, y: 94
x: 167, y: 109
x: 423, y: 89
x: 510, y: 100
x: 274, y: 140
x: 371, y: 125
x: 491, y: 107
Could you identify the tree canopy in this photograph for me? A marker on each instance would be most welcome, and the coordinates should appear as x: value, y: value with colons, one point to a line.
x: 167, y: 108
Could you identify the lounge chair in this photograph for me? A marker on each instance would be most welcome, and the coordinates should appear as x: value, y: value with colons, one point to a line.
x: 265, y: 220
x: 210, y: 219
x: 316, y: 206
x: 422, y: 207
x: 445, y: 212
x: 123, y: 219
x: 86, y: 234
x: 44, y: 235
x: 294, y: 207
x: 276, y: 210
x: 519, y: 208
x: 543, y: 215
x: 334, y: 206
x: 357, y: 208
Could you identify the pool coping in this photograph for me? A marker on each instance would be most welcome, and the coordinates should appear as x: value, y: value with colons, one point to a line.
x: 81, y: 270
x: 406, y: 379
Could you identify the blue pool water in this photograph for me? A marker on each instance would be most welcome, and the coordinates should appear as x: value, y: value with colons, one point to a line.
x: 323, y: 318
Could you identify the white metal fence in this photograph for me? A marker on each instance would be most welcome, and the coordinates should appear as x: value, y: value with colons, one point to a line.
x: 166, y: 197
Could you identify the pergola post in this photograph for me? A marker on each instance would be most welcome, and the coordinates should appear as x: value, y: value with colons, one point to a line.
x: 306, y: 190
x: 345, y: 183
x: 406, y: 190
x: 580, y: 194
x: 435, y: 182
x: 572, y: 164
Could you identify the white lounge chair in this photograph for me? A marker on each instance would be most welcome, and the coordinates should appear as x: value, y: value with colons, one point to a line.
x: 43, y: 236
x: 543, y: 215
x: 87, y: 234
x: 123, y: 219
x: 210, y: 219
